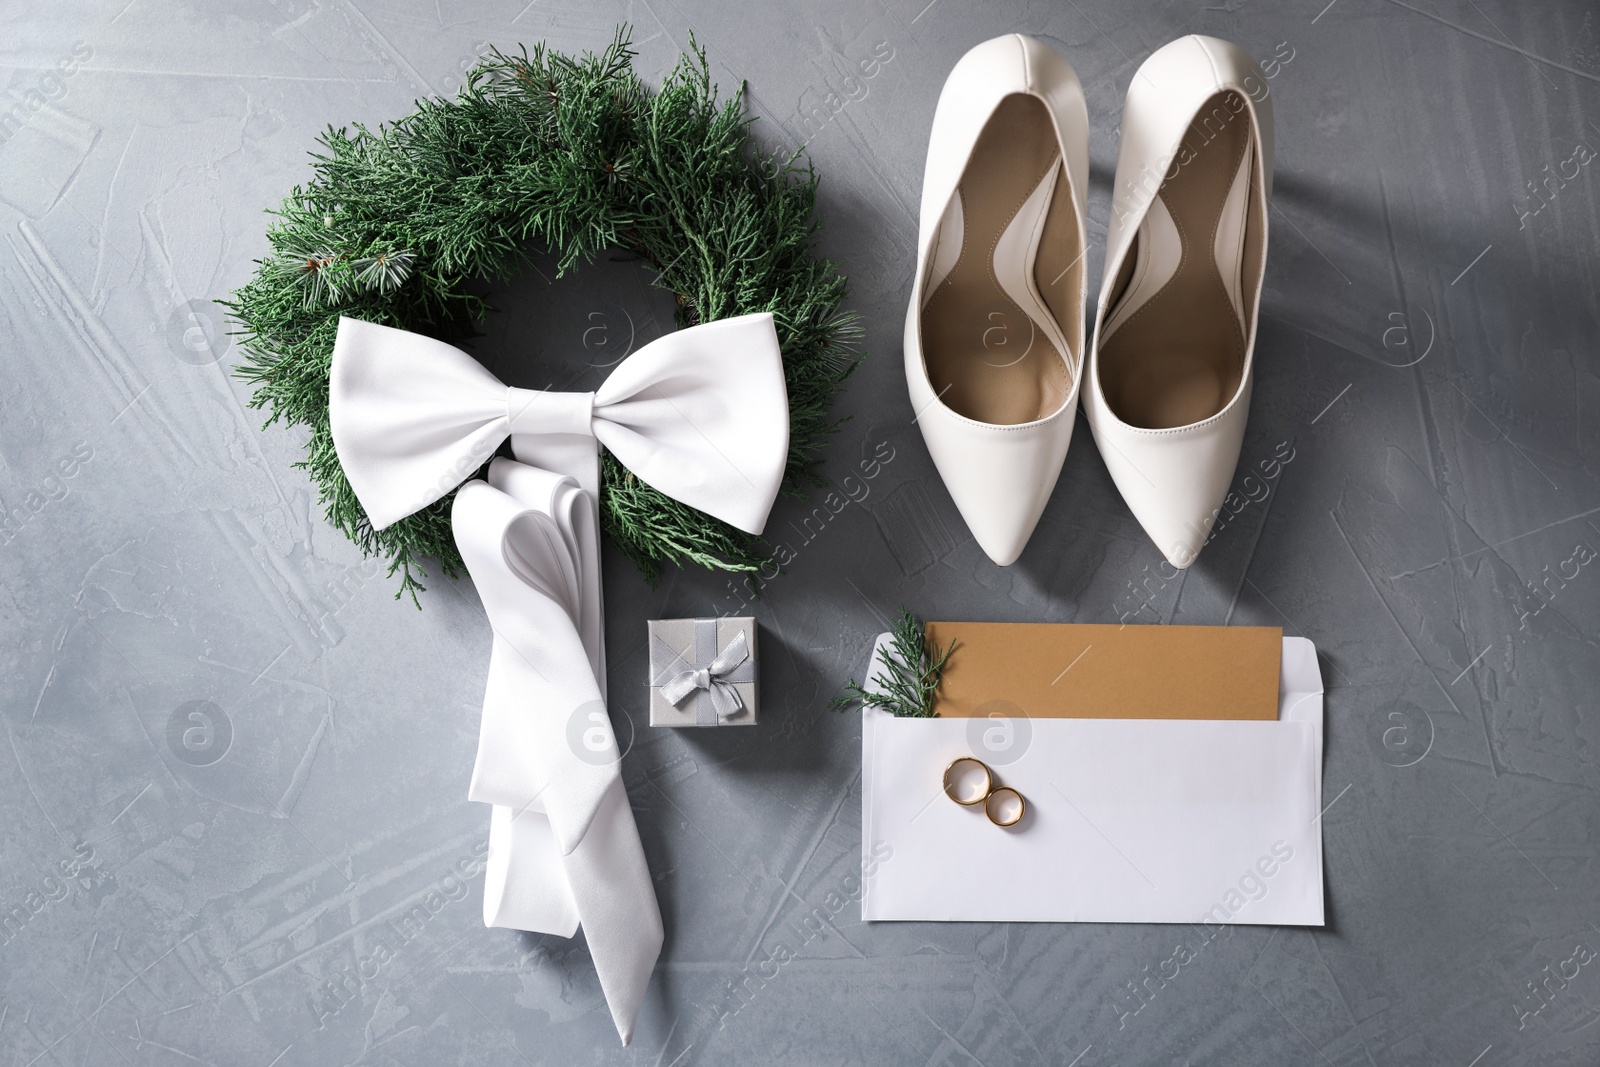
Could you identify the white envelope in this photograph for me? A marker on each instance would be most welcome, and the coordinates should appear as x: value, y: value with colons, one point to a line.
x: 1128, y: 820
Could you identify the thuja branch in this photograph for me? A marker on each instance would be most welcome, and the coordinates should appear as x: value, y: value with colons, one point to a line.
x: 910, y: 677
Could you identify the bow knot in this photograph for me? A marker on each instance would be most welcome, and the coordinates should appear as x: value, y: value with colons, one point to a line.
x: 539, y: 411
x: 717, y: 679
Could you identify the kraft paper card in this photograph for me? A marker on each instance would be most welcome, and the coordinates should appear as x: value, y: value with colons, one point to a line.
x: 1128, y: 820
x: 1081, y: 671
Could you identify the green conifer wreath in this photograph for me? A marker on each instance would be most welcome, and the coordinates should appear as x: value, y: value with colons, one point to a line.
x: 577, y: 156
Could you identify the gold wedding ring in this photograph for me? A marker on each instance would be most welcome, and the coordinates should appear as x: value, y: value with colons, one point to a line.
x: 989, y: 806
x: 949, y: 785
x: 998, y: 813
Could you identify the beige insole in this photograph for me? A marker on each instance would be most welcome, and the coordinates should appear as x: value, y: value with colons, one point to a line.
x: 1179, y: 359
x: 986, y: 357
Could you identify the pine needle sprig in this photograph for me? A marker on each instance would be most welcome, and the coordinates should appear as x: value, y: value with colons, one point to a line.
x: 384, y: 272
x: 910, y: 678
x: 573, y: 154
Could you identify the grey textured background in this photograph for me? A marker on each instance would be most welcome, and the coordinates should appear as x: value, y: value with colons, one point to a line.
x: 1427, y: 366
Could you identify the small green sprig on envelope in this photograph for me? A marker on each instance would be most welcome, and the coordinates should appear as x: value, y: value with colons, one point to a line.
x: 912, y: 677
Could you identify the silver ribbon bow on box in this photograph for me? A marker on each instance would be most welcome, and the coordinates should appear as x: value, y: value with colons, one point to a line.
x: 711, y: 675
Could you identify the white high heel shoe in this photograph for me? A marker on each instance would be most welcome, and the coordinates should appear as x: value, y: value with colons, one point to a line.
x: 1171, y: 366
x: 994, y: 333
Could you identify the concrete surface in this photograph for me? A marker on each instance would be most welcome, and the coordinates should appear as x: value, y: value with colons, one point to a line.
x: 235, y: 769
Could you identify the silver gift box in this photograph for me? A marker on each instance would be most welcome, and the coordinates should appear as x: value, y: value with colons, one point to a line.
x: 679, y: 645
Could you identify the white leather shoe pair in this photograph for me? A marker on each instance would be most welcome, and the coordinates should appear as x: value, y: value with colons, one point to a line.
x: 994, y: 334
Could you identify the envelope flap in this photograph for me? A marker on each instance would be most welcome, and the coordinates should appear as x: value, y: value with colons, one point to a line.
x: 1301, y: 675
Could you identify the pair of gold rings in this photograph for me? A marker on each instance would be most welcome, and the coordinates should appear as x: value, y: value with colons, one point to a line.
x: 1004, y: 805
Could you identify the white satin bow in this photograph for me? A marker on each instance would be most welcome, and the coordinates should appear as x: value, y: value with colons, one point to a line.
x: 700, y: 414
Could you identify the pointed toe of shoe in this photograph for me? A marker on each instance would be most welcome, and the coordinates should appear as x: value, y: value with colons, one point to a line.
x: 1179, y: 520
x: 1003, y: 538
x: 1001, y: 522
x: 1000, y: 477
x: 1179, y: 538
x: 1174, y: 481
